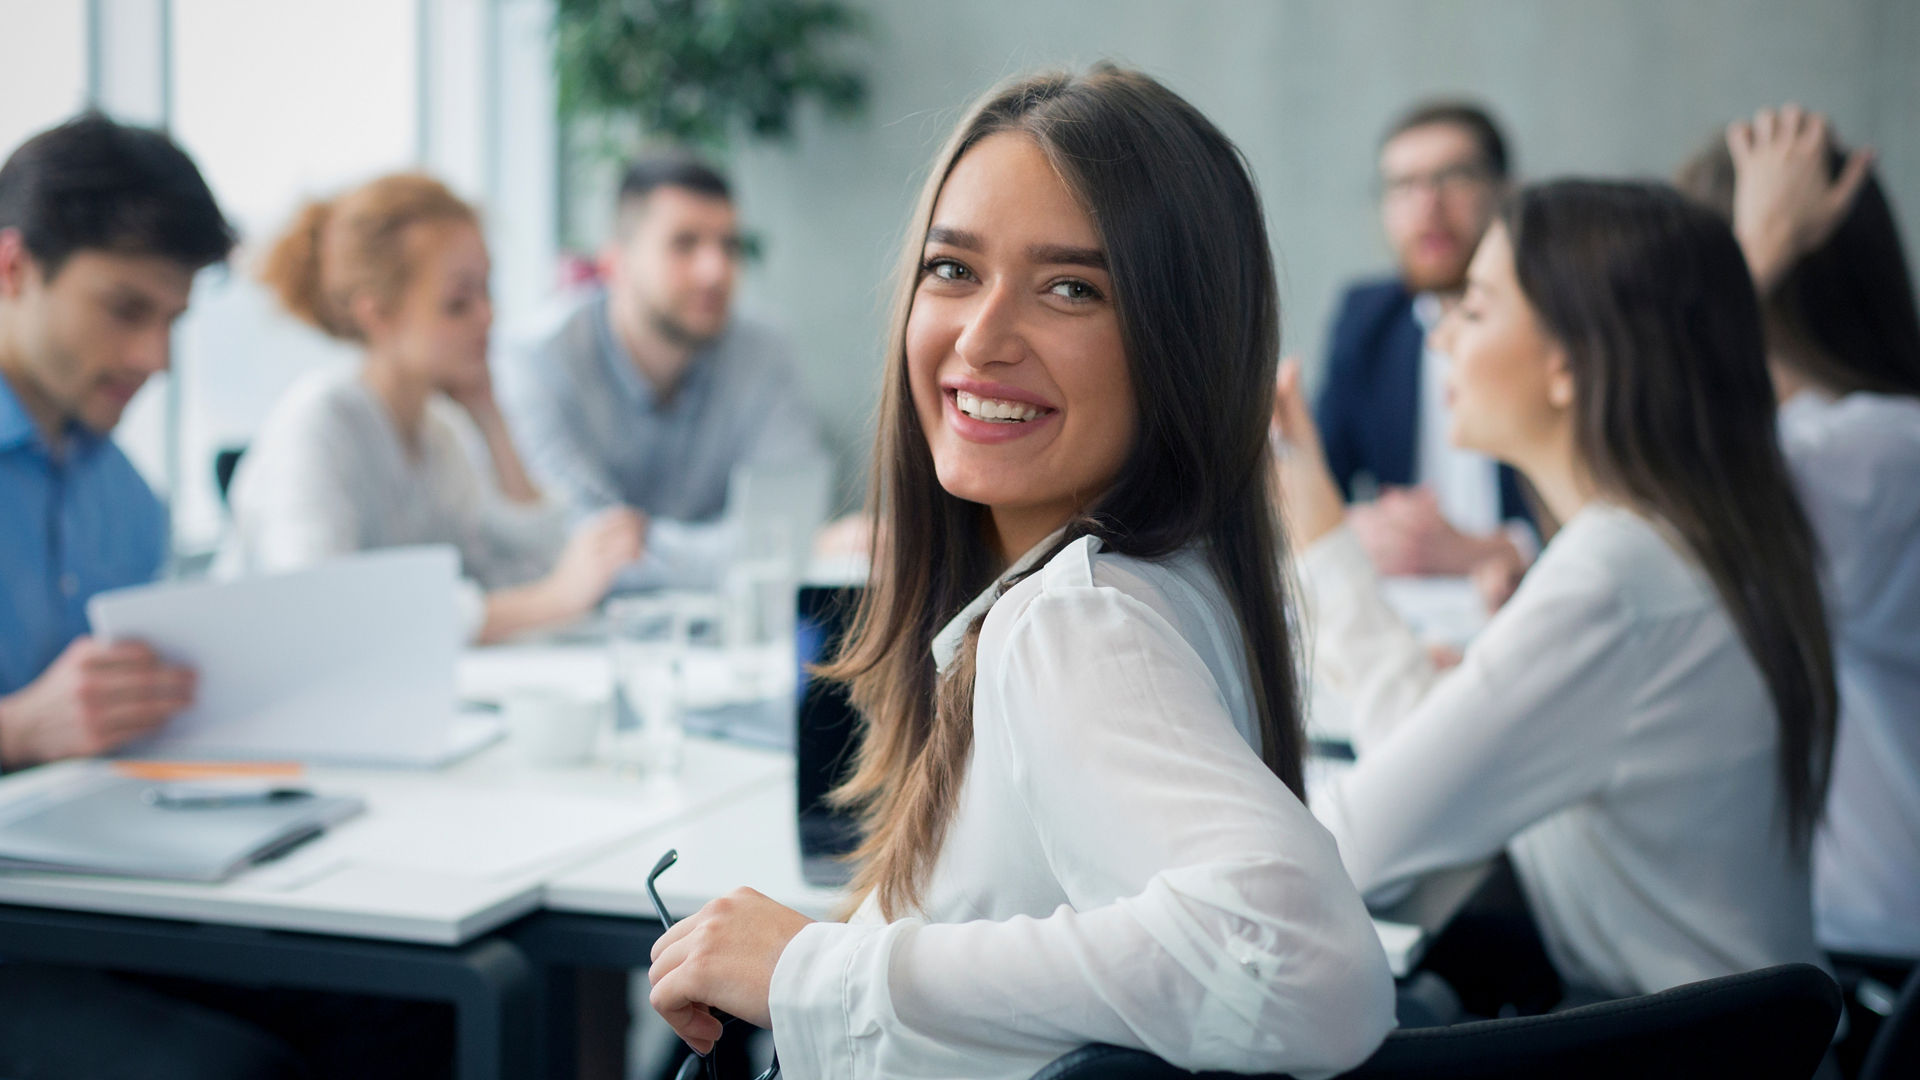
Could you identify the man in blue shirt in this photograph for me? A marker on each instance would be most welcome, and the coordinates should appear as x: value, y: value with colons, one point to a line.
x: 102, y: 228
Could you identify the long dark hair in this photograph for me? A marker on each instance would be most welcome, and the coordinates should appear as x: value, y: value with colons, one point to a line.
x: 1651, y: 299
x: 1844, y: 314
x: 1193, y: 284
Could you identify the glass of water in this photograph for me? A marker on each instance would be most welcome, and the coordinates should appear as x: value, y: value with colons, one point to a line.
x: 647, y: 641
x: 760, y: 586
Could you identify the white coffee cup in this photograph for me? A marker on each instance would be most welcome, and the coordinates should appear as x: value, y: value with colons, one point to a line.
x: 553, y: 727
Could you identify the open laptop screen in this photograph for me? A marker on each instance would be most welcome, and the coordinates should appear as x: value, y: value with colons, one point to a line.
x: 826, y: 737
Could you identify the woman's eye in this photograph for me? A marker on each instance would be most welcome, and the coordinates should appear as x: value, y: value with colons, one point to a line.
x: 1075, y: 290
x: 947, y: 270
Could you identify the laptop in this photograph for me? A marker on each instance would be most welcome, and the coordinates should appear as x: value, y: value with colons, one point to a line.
x: 826, y: 735
x: 348, y: 662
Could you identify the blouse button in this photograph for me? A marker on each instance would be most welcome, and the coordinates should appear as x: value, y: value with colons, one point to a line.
x: 69, y: 584
x: 1248, y: 962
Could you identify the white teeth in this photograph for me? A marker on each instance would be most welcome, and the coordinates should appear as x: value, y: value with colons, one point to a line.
x: 994, y: 409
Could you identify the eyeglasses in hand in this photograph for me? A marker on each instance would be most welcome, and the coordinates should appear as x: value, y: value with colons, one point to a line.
x: 700, y: 1065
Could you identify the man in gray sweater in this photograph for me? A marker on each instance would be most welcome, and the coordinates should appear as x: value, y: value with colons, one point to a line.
x: 651, y: 391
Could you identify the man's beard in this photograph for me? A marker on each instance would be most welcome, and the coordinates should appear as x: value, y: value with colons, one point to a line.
x: 1434, y: 280
x: 677, y: 332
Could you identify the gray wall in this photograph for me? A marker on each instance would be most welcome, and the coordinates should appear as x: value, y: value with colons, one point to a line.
x: 1614, y: 87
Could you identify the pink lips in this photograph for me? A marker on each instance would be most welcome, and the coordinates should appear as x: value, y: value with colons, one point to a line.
x: 989, y: 432
x: 997, y: 390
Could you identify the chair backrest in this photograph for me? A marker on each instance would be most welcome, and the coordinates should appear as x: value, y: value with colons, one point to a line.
x: 225, y: 461
x: 1772, y: 1024
x: 1895, y: 1053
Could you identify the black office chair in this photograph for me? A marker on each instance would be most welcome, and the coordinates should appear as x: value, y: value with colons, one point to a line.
x: 1895, y: 1051
x: 225, y: 461
x: 1772, y: 1024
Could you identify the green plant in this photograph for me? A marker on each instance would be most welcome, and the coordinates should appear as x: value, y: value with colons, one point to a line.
x: 694, y: 71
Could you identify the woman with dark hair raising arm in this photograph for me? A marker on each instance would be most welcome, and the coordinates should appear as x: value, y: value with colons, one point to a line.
x: 1843, y: 343
x: 1645, y: 727
x: 1081, y: 772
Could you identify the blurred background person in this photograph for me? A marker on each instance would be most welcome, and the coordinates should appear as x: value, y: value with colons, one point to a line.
x: 1843, y: 343
x: 358, y: 458
x: 652, y: 390
x: 1424, y: 505
x: 1644, y: 729
x: 102, y: 229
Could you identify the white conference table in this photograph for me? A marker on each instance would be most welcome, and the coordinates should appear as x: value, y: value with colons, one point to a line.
x: 428, y: 893
x: 407, y: 900
x: 439, y: 857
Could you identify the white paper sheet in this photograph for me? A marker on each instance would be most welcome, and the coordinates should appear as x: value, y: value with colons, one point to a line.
x: 349, y: 661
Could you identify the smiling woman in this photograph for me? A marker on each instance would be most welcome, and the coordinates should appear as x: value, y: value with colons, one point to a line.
x: 1081, y: 768
x: 1014, y: 350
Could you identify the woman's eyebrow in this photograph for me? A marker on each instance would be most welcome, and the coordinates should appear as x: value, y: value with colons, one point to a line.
x: 1045, y: 254
x: 960, y: 238
x: 1069, y: 255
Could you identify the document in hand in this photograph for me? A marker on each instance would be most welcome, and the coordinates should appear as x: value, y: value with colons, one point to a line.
x: 97, y: 822
x: 349, y: 661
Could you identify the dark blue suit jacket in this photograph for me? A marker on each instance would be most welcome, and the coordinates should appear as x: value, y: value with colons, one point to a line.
x: 1369, y: 407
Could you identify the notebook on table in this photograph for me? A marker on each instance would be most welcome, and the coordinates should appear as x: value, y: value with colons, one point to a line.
x: 100, y: 822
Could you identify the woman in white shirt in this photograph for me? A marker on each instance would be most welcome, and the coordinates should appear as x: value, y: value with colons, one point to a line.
x: 1644, y: 727
x: 351, y: 460
x: 1081, y: 769
x: 1844, y: 347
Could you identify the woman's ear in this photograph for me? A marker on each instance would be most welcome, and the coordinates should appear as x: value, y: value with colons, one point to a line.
x: 1559, y: 379
x: 369, y: 316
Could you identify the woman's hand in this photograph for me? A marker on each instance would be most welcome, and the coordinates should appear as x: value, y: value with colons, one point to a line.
x: 595, y: 554
x: 1784, y: 202
x: 721, y: 958
x: 1309, y: 499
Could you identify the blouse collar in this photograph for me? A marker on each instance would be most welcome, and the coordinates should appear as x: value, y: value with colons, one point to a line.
x: 947, y: 642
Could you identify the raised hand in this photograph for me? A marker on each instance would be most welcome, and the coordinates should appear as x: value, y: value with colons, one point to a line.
x: 1786, y: 201
x: 1306, y: 493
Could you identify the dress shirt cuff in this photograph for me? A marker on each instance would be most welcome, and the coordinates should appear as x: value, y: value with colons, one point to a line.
x: 1335, y: 558
x: 1357, y: 643
x: 829, y: 1000
x: 1524, y: 538
x: 540, y: 525
x: 680, y: 555
x: 1330, y: 569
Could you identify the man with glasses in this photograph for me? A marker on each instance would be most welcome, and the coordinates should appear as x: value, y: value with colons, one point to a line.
x: 1422, y: 506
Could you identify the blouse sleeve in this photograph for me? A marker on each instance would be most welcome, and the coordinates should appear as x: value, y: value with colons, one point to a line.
x: 1208, y: 919
x: 293, y: 504
x: 1462, y: 761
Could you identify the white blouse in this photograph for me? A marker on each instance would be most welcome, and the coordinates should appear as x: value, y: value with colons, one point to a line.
x: 1121, y: 867
x: 328, y: 475
x: 1857, y: 460
x: 1608, y: 729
